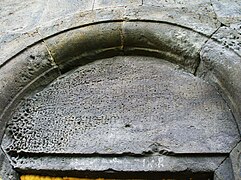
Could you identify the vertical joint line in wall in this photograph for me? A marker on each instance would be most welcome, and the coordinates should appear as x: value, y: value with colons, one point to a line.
x: 122, y: 36
x: 199, y: 59
x: 52, y: 58
x: 216, y: 16
x: 196, y: 68
x: 206, y: 41
x: 53, y: 62
x: 93, y: 5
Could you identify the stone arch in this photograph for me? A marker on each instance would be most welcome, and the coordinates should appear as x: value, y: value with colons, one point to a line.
x: 55, y: 51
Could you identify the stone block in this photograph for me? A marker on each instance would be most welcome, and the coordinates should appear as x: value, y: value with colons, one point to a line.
x: 224, y: 171
x: 173, y: 43
x: 105, y: 3
x: 235, y: 157
x: 228, y: 12
x: 85, y: 44
x: 221, y: 66
x: 6, y: 171
x: 21, y: 72
x: 198, y: 17
x: 123, y: 105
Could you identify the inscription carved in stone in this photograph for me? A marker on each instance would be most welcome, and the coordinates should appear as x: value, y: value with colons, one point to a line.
x: 123, y: 105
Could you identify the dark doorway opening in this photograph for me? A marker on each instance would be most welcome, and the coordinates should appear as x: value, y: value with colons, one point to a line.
x: 110, y: 175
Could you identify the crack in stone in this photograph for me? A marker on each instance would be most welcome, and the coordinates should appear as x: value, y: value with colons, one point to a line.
x: 221, y: 163
x: 122, y: 36
x: 53, y: 61
x: 216, y: 16
x: 234, y: 147
x: 204, y: 44
x: 209, y: 70
x: 93, y: 5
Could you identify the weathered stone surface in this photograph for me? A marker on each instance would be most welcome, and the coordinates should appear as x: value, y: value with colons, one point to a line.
x: 222, y: 66
x: 119, y: 164
x: 22, y: 16
x: 81, y: 46
x: 56, y: 9
x: 23, y: 23
x: 20, y: 71
x: 13, y: 43
x: 229, y: 38
x: 6, y: 171
x: 115, y: 3
x: 81, y: 19
x: 235, y: 157
x: 236, y: 26
x: 196, y: 15
x: 228, y: 12
x: 122, y: 105
x: 224, y: 171
x: 178, y: 45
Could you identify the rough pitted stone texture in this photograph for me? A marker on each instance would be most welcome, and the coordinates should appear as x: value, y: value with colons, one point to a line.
x: 25, y: 22
x: 236, y: 26
x: 229, y: 38
x: 123, y: 105
x: 24, y: 69
x: 6, y: 171
x: 228, y: 12
x: 115, y: 3
x: 235, y: 157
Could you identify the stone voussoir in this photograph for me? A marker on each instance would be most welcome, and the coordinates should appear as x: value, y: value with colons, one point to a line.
x: 83, y: 45
x: 20, y: 71
x: 236, y: 159
x: 204, y: 23
x: 222, y: 67
x: 178, y: 45
x: 12, y: 44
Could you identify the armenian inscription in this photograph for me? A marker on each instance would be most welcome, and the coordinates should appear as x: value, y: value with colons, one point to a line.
x: 121, y: 105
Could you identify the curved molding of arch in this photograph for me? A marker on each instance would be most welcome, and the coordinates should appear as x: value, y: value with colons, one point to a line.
x: 83, y: 37
x: 222, y: 67
x: 44, y: 53
x: 16, y: 42
x: 86, y: 36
